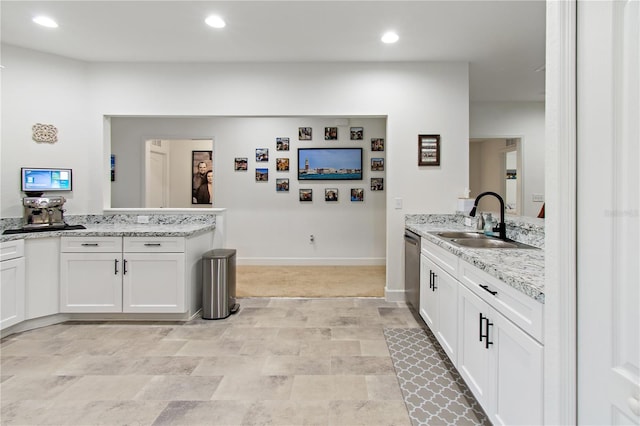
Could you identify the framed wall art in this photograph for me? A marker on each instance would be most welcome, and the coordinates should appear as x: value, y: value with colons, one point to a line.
x: 330, y: 133
x: 304, y: 133
x: 240, y: 164
x: 377, y: 164
x: 357, y: 194
x: 202, y: 177
x: 428, y: 150
x: 331, y: 194
x: 357, y: 133
x: 306, y: 194
x: 262, y: 155
x: 282, y: 185
x: 282, y: 164
x: 329, y: 163
x: 377, y: 144
x: 282, y: 144
x: 262, y: 175
x: 377, y: 184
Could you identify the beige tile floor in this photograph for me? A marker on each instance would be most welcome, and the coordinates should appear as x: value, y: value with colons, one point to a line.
x: 277, y: 362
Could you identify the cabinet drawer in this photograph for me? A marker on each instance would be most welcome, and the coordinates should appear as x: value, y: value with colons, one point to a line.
x: 91, y: 244
x: 154, y: 245
x: 443, y: 258
x: 11, y: 250
x: 522, y: 310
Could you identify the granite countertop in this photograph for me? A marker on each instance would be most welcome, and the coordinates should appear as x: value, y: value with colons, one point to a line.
x: 121, y: 230
x: 522, y: 269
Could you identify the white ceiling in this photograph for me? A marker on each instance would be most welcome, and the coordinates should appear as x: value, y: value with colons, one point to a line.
x: 502, y: 40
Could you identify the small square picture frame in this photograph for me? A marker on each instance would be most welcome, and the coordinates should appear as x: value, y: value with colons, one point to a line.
x: 262, y: 155
x: 377, y: 164
x: 356, y: 133
x: 331, y: 194
x: 240, y: 164
x: 330, y: 133
x: 357, y: 194
x: 282, y: 164
x: 377, y: 184
x: 377, y: 144
x: 282, y: 144
x: 305, y: 194
x: 282, y: 185
x: 262, y: 175
x: 304, y: 133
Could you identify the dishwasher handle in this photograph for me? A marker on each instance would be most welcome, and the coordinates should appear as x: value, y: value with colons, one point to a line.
x: 412, y: 239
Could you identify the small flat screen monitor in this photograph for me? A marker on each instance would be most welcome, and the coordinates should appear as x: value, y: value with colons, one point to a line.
x: 45, y: 180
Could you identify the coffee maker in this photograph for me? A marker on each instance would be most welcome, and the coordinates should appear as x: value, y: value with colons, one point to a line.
x: 43, y: 212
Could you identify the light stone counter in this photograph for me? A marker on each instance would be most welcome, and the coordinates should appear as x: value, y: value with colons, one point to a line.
x: 522, y: 269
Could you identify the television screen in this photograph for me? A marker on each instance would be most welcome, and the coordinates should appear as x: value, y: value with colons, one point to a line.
x: 329, y: 163
x: 41, y: 180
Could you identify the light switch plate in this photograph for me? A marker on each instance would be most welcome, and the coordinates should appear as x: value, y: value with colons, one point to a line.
x: 398, y: 203
x: 539, y: 198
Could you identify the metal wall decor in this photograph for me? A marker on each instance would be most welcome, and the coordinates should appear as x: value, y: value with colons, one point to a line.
x: 45, y: 133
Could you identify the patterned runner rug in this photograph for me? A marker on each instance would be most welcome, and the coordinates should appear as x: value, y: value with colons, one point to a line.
x: 433, y: 391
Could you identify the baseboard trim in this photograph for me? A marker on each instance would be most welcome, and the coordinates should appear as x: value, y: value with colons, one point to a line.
x: 393, y: 295
x: 311, y: 261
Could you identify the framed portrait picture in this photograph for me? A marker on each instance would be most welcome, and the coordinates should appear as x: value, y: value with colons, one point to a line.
x: 306, y: 195
x: 282, y: 164
x: 262, y: 155
x: 377, y: 144
x: 356, y: 133
x: 262, y: 175
x: 282, y: 185
x: 202, y: 177
x: 330, y: 133
x: 304, y: 133
x: 377, y: 184
x: 377, y: 164
x: 428, y: 150
x: 357, y: 194
x: 331, y: 194
x: 240, y: 164
x: 282, y: 144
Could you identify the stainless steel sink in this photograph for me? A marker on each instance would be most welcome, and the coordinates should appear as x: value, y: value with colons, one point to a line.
x: 466, y: 235
x: 484, y: 243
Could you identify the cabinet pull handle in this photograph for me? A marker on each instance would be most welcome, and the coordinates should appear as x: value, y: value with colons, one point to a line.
x: 487, y: 342
x: 152, y: 244
x: 434, y: 282
x: 486, y: 287
x: 89, y: 244
x: 124, y: 267
x: 430, y: 279
x: 115, y: 267
x: 480, y: 323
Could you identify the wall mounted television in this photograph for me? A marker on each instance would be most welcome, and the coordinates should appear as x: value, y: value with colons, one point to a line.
x: 37, y: 180
x: 329, y: 163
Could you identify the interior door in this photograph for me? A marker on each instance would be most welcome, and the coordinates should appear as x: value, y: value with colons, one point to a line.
x: 608, y: 232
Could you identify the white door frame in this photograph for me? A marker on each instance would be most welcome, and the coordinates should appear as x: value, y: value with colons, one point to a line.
x: 560, y: 222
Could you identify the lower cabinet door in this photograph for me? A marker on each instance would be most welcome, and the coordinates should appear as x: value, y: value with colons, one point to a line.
x: 90, y: 282
x: 11, y: 292
x: 474, y: 358
x: 154, y: 282
x: 428, y: 297
x: 447, y: 334
x: 518, y: 374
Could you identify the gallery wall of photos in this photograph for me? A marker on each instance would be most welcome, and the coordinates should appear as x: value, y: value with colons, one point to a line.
x: 328, y: 184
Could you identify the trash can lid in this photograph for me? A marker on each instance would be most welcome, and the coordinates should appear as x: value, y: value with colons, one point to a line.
x: 219, y: 253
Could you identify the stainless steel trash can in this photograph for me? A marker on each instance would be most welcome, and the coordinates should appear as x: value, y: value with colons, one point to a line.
x: 219, y: 284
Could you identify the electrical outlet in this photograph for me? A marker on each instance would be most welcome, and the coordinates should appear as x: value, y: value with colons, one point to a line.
x: 143, y: 219
x: 538, y: 198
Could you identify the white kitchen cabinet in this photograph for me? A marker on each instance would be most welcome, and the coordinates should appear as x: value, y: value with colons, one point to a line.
x: 12, y: 302
x: 91, y: 274
x: 439, y: 304
x: 500, y: 363
x: 130, y: 274
x: 42, y: 277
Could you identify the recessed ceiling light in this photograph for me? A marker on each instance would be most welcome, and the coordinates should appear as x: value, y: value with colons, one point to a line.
x: 390, y: 37
x: 45, y: 21
x: 215, y: 21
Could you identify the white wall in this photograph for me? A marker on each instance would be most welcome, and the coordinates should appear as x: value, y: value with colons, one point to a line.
x: 415, y: 97
x: 516, y: 119
x: 279, y: 223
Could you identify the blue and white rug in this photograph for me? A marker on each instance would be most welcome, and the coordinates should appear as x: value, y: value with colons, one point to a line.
x: 433, y: 391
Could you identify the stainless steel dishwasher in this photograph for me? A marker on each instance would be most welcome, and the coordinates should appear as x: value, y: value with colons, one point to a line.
x: 412, y: 270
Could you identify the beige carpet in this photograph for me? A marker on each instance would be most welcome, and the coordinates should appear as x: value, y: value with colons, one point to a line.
x: 310, y: 281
